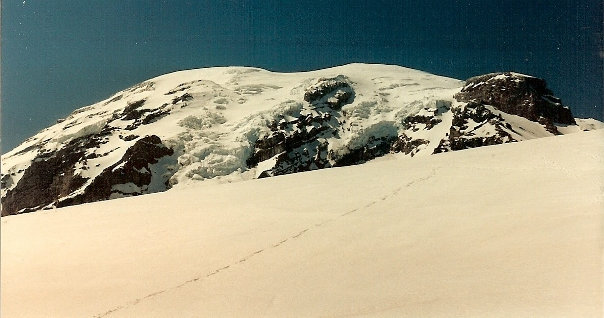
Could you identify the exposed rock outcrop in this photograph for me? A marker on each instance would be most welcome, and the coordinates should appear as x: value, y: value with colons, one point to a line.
x: 474, y: 125
x: 375, y: 147
x: 51, y: 179
x: 517, y: 94
x: 299, y: 143
x: 333, y: 92
x: 407, y: 145
x: 130, y: 176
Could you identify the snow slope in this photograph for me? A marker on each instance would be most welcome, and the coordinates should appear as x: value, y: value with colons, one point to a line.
x: 507, y: 231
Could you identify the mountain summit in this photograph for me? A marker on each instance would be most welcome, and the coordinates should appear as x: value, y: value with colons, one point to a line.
x: 235, y: 123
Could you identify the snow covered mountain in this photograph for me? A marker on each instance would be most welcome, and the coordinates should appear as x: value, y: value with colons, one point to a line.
x: 507, y: 231
x: 237, y: 123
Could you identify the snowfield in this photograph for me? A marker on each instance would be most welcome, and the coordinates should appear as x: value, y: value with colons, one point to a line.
x: 513, y: 230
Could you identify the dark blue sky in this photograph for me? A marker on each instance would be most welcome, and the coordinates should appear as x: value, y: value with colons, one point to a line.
x: 63, y: 54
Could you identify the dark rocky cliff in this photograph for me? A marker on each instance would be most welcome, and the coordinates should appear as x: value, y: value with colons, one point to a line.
x: 50, y: 180
x: 517, y: 94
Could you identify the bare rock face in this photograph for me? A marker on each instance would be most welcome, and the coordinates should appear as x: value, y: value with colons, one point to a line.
x: 51, y: 179
x: 288, y: 136
x: 333, y: 92
x: 50, y: 176
x: 299, y: 143
x: 128, y: 177
x: 407, y: 145
x: 463, y: 131
x: 375, y: 147
x: 142, y: 116
x: 517, y: 94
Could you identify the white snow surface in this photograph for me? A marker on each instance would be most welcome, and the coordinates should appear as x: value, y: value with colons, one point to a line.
x: 507, y: 231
